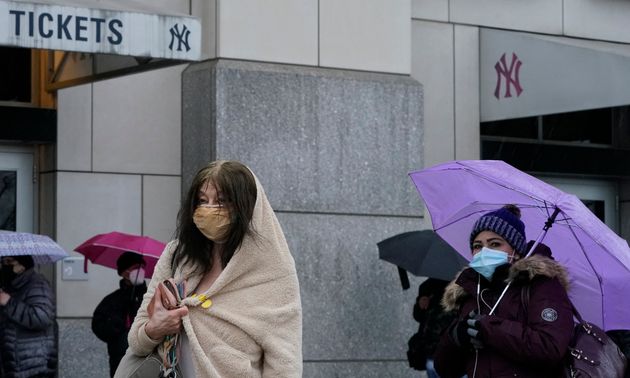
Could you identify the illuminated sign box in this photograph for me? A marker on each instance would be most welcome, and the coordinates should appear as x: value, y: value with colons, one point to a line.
x: 71, y: 28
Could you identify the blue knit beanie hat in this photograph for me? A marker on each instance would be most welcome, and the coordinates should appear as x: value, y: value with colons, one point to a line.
x: 505, y: 222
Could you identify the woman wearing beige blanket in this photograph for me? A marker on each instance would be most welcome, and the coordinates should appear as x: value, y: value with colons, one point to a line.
x: 241, y: 314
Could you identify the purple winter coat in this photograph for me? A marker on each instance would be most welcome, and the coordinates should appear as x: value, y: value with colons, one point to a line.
x: 524, y: 337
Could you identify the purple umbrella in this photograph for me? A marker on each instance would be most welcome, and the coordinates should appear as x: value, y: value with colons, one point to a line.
x: 43, y: 249
x: 458, y: 193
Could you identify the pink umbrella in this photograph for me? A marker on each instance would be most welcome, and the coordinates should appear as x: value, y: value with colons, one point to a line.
x: 104, y: 249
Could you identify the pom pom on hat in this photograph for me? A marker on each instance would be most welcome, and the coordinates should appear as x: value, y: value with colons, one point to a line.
x: 505, y: 222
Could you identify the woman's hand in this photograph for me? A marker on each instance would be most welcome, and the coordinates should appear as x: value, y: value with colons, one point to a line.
x: 163, y: 321
x: 4, y: 297
x: 423, y: 302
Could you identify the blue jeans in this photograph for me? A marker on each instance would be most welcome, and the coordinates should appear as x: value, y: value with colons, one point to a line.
x: 431, y: 373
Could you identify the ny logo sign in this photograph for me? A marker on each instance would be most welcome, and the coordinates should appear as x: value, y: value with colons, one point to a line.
x: 509, y: 75
x: 180, y: 36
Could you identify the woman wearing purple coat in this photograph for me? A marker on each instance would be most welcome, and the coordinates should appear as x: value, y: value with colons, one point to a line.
x: 528, y: 333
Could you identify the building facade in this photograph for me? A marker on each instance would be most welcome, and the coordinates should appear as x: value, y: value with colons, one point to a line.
x: 540, y: 85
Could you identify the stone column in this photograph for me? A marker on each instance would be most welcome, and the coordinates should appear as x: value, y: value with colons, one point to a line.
x: 332, y: 149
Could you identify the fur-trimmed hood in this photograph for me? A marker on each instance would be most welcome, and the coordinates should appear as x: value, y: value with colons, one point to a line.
x: 521, y: 271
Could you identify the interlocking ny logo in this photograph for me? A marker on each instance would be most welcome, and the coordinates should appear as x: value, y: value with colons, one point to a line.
x: 509, y: 75
x: 180, y: 36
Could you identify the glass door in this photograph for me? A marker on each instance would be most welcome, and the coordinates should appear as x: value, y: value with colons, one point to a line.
x: 16, y: 191
x: 598, y: 195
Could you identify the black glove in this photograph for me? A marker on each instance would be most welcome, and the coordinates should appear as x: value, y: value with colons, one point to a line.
x: 459, y: 332
x: 474, y: 321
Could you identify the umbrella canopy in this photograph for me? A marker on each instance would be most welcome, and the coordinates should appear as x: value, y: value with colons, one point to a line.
x: 422, y: 253
x: 43, y: 249
x: 104, y: 249
x: 598, y: 261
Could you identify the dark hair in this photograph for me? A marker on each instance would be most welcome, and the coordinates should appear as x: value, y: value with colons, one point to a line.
x: 25, y: 260
x: 127, y: 260
x: 238, y: 186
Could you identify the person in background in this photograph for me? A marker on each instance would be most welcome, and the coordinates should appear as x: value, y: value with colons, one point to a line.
x: 529, y: 331
x: 433, y: 321
x: 28, y: 328
x: 115, y: 314
x: 621, y: 337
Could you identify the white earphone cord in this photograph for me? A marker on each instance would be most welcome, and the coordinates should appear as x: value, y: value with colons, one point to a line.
x: 479, y: 311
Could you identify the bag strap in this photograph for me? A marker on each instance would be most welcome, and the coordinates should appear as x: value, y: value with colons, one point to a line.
x: 170, y: 359
x: 576, y: 313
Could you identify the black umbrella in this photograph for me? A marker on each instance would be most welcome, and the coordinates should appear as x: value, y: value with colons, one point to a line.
x: 423, y: 253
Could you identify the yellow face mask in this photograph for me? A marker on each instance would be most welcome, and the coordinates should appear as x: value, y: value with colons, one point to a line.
x: 213, y: 222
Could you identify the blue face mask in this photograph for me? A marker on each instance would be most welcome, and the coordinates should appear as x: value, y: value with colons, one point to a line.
x: 487, y: 260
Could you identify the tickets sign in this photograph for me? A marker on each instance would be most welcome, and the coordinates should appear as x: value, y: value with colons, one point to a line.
x: 71, y: 28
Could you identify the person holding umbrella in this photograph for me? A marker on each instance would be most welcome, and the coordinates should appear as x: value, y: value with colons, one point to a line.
x: 433, y: 321
x: 114, y: 315
x: 28, y: 328
x: 525, y: 332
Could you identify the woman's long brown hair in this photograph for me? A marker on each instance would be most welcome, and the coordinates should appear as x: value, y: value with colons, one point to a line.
x: 238, y: 187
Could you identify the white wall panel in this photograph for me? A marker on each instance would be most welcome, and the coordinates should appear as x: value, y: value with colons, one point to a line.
x: 282, y: 31
x: 90, y: 204
x: 372, y: 35
x: 160, y: 204
x: 432, y: 65
x: 74, y: 128
x: 543, y: 16
x: 467, y: 92
x: 137, y: 123
x: 206, y: 11
x: 597, y: 19
x: 430, y: 9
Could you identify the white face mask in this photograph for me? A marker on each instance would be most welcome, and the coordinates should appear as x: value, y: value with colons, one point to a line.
x: 136, y: 276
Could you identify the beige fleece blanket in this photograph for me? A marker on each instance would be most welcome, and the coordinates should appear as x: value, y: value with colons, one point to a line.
x: 254, y: 326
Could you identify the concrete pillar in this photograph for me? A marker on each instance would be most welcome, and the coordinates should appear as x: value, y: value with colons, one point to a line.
x: 332, y: 149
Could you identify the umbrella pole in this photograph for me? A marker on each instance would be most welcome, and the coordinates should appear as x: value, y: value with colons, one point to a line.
x: 404, y: 278
x: 542, y: 234
x: 546, y: 228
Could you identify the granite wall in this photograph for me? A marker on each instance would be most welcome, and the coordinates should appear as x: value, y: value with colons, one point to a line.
x: 332, y: 149
x: 81, y: 354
